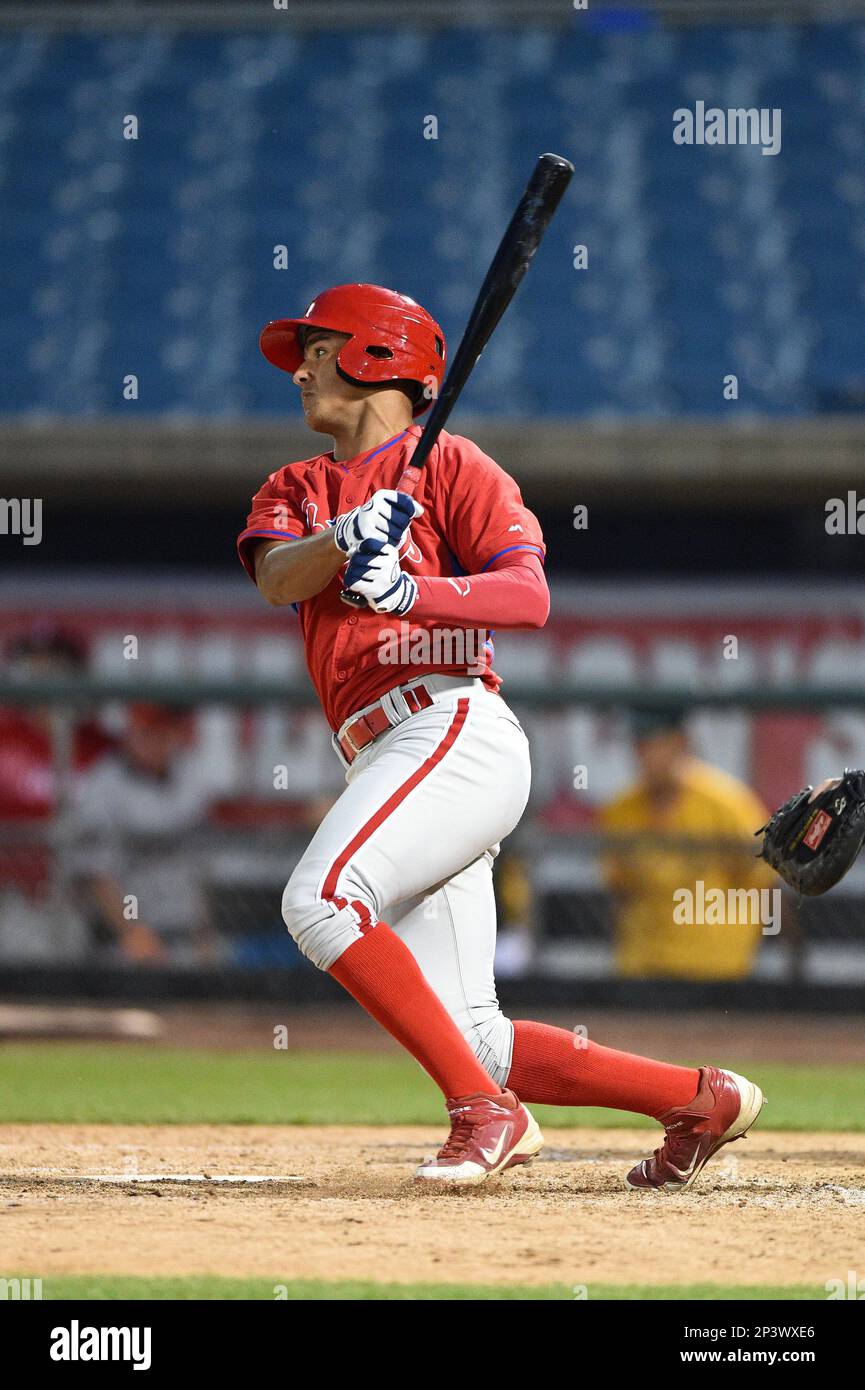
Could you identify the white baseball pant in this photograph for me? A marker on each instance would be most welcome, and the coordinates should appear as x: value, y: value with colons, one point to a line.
x: 411, y: 842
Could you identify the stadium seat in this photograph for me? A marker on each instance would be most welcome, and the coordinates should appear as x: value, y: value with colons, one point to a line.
x: 249, y: 141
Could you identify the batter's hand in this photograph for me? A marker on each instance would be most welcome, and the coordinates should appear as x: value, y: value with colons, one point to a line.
x: 385, y: 518
x: 374, y: 571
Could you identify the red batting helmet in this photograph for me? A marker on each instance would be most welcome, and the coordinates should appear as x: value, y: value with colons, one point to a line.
x: 392, y: 338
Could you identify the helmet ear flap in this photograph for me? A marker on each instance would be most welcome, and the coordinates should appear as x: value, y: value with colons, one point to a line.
x: 413, y: 389
x: 352, y: 380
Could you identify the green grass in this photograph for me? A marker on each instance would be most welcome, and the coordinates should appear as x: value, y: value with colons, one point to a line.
x: 139, y: 1084
x: 100, y: 1287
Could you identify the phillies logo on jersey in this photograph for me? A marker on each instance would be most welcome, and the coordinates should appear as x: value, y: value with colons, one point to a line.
x: 407, y: 549
x: 310, y: 511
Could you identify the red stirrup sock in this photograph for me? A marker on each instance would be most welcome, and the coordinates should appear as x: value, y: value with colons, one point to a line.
x: 383, y: 975
x: 554, y: 1067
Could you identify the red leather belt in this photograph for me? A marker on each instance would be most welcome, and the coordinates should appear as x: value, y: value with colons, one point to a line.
x: 375, y: 721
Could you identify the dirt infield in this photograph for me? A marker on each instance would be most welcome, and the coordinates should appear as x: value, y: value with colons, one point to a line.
x: 781, y: 1209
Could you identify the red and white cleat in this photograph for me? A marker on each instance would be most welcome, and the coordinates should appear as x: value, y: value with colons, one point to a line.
x: 488, y: 1134
x: 724, y: 1108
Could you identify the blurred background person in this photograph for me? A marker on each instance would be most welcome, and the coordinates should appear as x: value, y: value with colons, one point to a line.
x: 690, y: 823
x: 142, y: 882
x: 44, y: 652
x: 514, y: 901
x: 34, y: 744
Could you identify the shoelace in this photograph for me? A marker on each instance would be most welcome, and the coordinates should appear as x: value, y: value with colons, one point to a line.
x: 463, y: 1125
x: 678, y: 1149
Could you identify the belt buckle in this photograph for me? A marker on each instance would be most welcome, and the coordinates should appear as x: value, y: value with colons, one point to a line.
x: 355, y: 747
x: 350, y: 741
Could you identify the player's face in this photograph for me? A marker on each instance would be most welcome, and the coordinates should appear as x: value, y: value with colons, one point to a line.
x: 155, y: 749
x: 330, y: 404
x: 660, y: 756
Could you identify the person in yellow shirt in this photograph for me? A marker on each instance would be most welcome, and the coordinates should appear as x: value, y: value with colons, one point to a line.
x: 681, y: 863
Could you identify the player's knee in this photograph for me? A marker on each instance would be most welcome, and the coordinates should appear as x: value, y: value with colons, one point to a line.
x: 493, y: 1044
x: 321, y: 929
x: 303, y: 915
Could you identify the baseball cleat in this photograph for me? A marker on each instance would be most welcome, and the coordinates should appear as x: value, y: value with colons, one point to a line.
x: 488, y: 1134
x: 724, y: 1109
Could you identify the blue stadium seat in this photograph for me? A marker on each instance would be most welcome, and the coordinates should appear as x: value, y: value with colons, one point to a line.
x: 702, y: 260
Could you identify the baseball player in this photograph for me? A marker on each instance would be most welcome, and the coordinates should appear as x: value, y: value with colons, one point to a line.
x: 394, y: 895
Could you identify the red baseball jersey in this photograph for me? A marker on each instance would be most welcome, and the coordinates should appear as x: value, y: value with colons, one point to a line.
x: 473, y: 514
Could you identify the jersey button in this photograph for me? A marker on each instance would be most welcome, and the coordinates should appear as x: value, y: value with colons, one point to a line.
x: 349, y: 497
x: 342, y: 675
x: 352, y: 620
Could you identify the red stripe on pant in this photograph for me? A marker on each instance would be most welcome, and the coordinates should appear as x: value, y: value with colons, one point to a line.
x: 384, y: 977
x: 395, y: 799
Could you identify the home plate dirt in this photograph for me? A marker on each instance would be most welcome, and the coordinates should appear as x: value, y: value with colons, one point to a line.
x: 339, y: 1203
x: 186, y: 1177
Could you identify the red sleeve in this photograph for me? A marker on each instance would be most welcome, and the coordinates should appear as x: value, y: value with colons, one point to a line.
x: 275, y: 516
x: 513, y: 594
x: 482, y: 509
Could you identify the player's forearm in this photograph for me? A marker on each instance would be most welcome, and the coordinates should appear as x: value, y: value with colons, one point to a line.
x: 295, y: 570
x: 514, y: 595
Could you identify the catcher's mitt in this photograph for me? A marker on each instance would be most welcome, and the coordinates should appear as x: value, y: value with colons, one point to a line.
x: 812, y: 844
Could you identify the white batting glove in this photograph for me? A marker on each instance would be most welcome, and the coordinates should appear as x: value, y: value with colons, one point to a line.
x: 374, y: 571
x: 385, y: 517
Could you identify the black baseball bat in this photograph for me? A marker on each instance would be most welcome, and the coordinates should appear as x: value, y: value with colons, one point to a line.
x: 550, y: 178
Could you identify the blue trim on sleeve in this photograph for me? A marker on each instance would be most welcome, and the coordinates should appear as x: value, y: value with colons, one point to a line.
x: 508, y: 548
x: 277, y: 535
